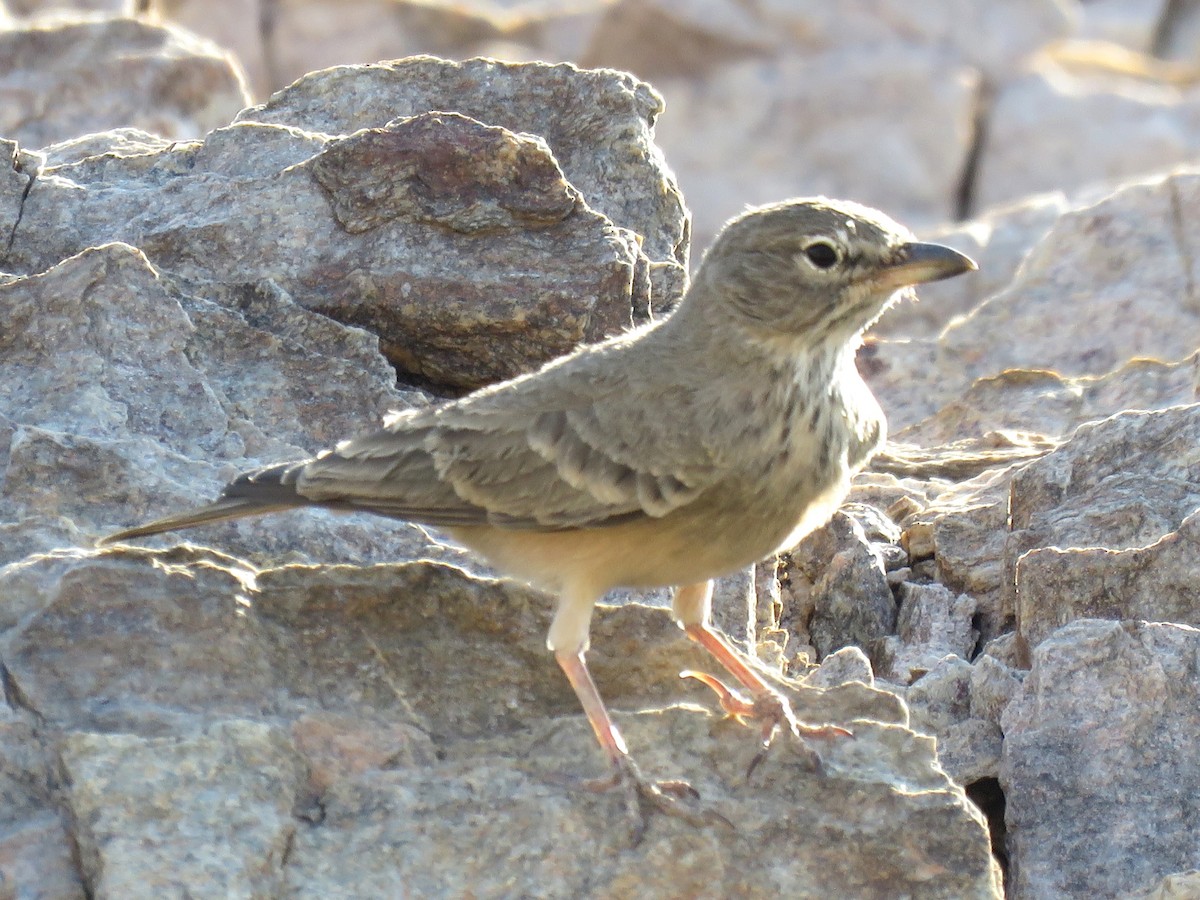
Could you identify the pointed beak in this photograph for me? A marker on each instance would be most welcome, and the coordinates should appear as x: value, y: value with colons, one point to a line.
x: 918, y: 263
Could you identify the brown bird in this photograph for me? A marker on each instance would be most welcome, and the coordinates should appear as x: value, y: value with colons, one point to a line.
x: 668, y: 456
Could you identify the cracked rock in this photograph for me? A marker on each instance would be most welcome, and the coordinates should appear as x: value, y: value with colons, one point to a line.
x: 1102, y: 792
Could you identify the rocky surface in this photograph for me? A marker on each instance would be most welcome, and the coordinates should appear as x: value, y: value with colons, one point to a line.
x: 286, y: 709
x: 67, y: 79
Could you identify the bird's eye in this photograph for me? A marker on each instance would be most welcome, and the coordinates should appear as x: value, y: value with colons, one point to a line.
x: 822, y: 254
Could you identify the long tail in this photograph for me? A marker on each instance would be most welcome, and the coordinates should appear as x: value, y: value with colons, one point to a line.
x: 265, y: 490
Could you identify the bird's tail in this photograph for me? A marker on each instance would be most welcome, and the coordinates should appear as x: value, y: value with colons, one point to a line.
x: 265, y: 490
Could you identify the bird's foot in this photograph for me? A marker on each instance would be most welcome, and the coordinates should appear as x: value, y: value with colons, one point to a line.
x: 773, y: 711
x: 644, y: 797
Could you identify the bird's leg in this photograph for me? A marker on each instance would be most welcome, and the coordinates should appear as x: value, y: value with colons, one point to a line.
x: 692, y: 606
x: 663, y: 796
x: 568, y: 639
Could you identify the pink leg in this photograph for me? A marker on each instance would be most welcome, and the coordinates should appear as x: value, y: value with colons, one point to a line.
x: 691, y: 607
x: 664, y: 796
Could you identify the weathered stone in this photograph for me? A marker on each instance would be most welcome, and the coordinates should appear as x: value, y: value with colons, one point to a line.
x: 1086, y: 494
x: 184, y: 815
x: 63, y: 78
x: 580, y: 280
x: 1176, y: 886
x: 1101, y: 799
x: 452, y: 673
x: 402, y: 831
x: 1127, y: 259
x: 125, y: 397
x: 839, y: 590
x: 1053, y: 130
x: 36, y: 860
x: 598, y: 124
x: 1051, y: 404
x: 942, y: 696
x: 965, y: 529
x: 993, y: 37
x: 664, y: 38
x: 814, y: 127
x: 993, y: 685
x: 842, y: 666
x: 932, y: 623
x: 940, y: 701
x: 1157, y: 582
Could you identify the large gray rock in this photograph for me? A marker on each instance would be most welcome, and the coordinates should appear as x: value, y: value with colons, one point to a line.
x: 201, y: 684
x: 126, y: 396
x: 599, y: 125
x: 62, y: 78
x: 255, y: 194
x: 1156, y: 583
x: 1086, y: 495
x: 1103, y: 796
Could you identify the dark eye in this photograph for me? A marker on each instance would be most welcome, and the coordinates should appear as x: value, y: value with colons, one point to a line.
x: 822, y: 255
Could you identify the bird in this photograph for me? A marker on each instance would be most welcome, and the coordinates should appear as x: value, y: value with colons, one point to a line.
x: 669, y: 455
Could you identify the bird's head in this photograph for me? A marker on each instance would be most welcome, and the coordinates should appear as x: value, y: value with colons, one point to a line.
x: 814, y: 272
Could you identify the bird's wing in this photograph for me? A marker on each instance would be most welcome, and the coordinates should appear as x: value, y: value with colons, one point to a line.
x: 568, y: 453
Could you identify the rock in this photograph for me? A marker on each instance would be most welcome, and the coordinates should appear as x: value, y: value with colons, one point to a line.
x: 1176, y: 886
x: 1100, y: 720
x: 841, y: 123
x: 664, y: 38
x: 161, y: 730
x: 581, y: 276
x: 1086, y: 494
x: 840, y: 667
x: 1128, y: 259
x: 34, y: 842
x: 36, y: 860
x: 964, y: 529
x: 839, y: 593
x: 1053, y: 130
x: 599, y: 126
x: 365, y: 843
x: 994, y: 683
x: 63, y: 78
x: 155, y: 815
x: 1157, y: 582
x: 993, y: 37
x: 1045, y: 402
x: 932, y: 623
x: 940, y: 701
x: 311, y: 34
x: 942, y: 696
x: 125, y: 396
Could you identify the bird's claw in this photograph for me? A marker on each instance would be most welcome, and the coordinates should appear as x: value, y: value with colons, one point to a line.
x: 645, y: 796
x: 772, y: 710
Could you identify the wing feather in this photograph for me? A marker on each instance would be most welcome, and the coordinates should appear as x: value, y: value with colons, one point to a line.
x: 560, y: 449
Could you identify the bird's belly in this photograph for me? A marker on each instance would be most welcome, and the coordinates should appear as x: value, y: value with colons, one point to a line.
x: 691, y: 545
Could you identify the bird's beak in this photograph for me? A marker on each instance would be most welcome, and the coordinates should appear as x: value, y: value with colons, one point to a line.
x: 918, y: 263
